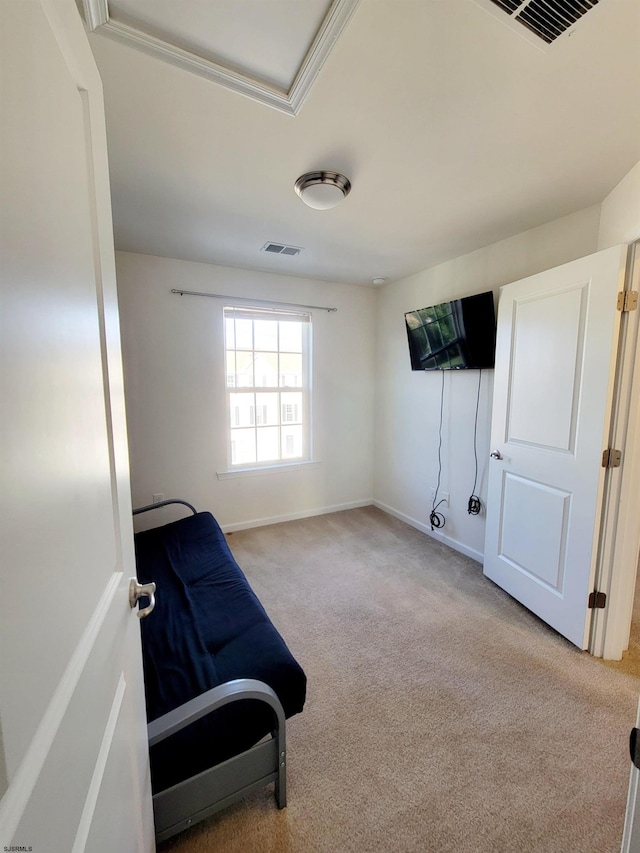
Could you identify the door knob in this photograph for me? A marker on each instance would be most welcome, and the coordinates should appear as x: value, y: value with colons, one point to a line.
x: 496, y: 454
x: 138, y: 591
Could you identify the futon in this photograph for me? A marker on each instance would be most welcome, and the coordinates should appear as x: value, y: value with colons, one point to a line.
x: 219, y: 678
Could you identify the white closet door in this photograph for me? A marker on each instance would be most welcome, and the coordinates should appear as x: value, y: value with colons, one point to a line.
x: 555, y: 358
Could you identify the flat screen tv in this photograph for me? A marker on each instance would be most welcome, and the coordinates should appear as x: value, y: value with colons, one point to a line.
x: 456, y: 335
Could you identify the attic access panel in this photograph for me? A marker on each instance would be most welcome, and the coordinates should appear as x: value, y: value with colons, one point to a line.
x: 545, y: 19
x: 270, y: 52
x: 263, y: 41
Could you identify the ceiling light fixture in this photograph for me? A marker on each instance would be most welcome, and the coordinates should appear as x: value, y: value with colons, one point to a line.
x: 378, y: 281
x: 322, y: 190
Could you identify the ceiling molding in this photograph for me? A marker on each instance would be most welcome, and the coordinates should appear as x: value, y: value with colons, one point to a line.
x: 290, y: 102
x: 96, y: 13
x: 330, y: 30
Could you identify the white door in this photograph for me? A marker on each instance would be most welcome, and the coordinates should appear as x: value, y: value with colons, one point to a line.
x: 631, y: 834
x: 556, y: 348
x: 73, y: 758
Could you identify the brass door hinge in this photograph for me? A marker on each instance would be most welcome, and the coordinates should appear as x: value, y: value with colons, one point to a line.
x: 627, y: 300
x: 611, y: 458
x: 597, y: 600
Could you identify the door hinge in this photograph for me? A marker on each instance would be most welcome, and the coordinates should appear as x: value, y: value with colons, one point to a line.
x: 627, y: 300
x: 597, y: 600
x: 611, y: 458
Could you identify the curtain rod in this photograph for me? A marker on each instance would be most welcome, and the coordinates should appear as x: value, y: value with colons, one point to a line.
x: 250, y: 300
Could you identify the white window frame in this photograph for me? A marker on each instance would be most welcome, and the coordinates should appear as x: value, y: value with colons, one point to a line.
x: 249, y: 312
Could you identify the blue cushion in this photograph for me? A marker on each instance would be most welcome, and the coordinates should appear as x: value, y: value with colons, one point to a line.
x: 208, y: 627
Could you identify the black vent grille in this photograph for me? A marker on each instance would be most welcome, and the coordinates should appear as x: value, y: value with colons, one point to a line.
x: 548, y: 19
x: 281, y: 249
x: 509, y: 5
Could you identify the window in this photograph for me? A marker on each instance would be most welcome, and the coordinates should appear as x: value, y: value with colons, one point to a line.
x: 267, y: 361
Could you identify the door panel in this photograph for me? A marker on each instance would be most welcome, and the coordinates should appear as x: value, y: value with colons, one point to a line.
x: 548, y: 344
x: 555, y: 354
x: 527, y: 507
x: 71, y: 700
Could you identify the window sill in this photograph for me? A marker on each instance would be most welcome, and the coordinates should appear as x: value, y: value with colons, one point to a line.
x: 267, y: 469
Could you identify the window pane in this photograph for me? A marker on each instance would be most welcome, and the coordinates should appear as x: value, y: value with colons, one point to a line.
x: 290, y: 370
x: 266, y: 335
x: 244, y: 334
x: 266, y: 370
x: 292, y: 442
x: 291, y: 403
x: 244, y: 370
x: 242, y: 410
x: 267, y: 407
x: 243, y: 446
x: 268, y: 450
x: 231, y: 369
x: 229, y: 333
x: 291, y: 337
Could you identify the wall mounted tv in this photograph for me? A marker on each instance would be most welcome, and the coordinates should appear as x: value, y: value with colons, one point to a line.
x: 457, y: 335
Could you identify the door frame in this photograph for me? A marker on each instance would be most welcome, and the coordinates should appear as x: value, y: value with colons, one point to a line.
x: 619, y: 544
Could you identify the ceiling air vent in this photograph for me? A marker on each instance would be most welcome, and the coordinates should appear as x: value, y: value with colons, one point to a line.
x: 546, y: 19
x: 509, y: 5
x: 281, y: 249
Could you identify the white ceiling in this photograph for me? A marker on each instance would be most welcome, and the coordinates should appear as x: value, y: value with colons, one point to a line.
x: 252, y: 42
x: 454, y: 130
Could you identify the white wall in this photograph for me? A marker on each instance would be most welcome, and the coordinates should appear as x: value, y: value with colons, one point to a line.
x: 408, y: 403
x: 620, y: 212
x: 174, y: 381
x: 173, y: 364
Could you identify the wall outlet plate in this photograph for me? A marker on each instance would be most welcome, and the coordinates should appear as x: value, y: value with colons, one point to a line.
x: 442, y: 496
x: 159, y: 496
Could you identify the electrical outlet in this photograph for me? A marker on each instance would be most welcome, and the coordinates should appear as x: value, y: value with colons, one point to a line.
x: 158, y: 497
x: 442, y: 496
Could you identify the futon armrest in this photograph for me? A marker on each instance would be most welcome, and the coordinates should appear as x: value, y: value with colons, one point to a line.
x: 157, y: 505
x: 217, y: 697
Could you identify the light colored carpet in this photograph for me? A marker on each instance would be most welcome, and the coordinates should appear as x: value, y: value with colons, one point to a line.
x: 441, y: 715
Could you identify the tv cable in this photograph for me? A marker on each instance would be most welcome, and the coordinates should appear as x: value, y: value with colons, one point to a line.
x: 475, y: 505
x: 436, y: 519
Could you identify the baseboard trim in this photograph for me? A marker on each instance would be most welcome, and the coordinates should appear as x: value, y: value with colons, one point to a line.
x: 294, y: 516
x: 310, y: 513
x: 435, y: 534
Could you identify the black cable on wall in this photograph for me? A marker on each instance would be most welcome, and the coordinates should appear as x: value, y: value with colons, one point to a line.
x: 475, y: 505
x: 436, y: 519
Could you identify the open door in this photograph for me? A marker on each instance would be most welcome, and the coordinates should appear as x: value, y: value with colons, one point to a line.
x: 555, y: 367
x: 73, y: 752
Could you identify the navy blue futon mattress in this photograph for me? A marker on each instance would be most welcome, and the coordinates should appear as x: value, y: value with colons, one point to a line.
x: 208, y: 627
